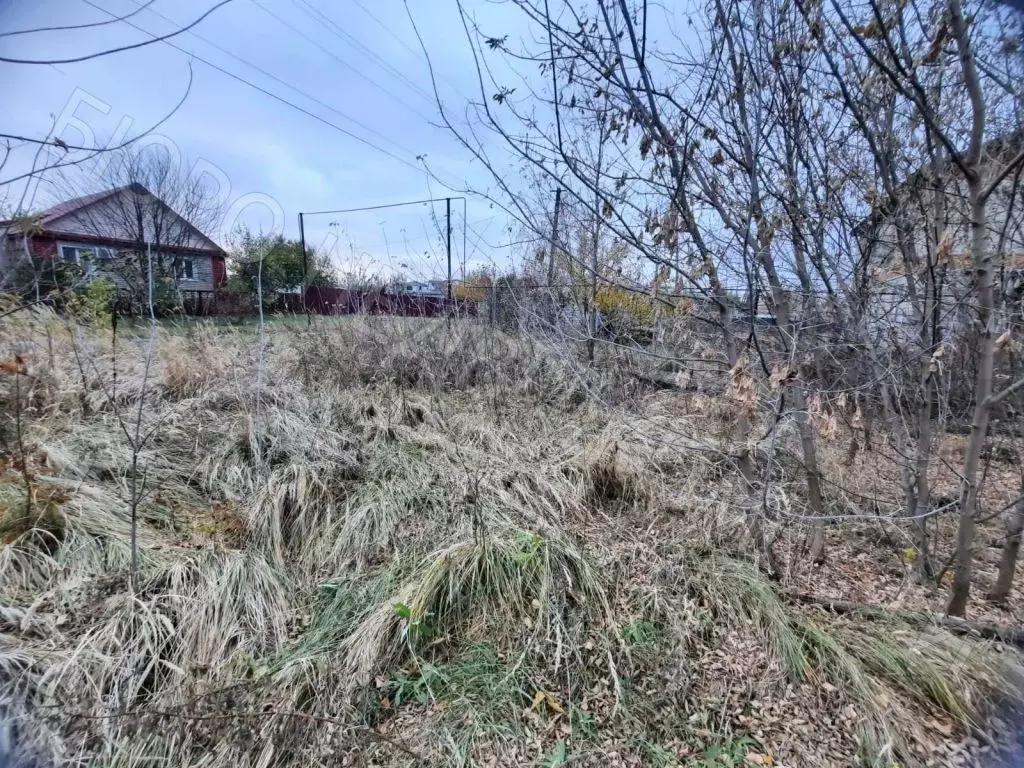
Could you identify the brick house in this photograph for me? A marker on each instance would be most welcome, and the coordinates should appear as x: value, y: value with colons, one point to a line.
x: 107, y: 233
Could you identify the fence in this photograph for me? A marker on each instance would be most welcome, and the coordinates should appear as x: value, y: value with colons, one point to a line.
x: 339, y: 301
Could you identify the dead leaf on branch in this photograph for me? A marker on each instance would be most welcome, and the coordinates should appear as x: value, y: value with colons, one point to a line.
x: 503, y: 94
x: 936, y: 47
x: 780, y: 376
x: 823, y: 420
x: 742, y: 388
x: 17, y: 365
x: 945, y: 250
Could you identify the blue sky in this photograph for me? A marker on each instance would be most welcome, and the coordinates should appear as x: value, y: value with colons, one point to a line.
x: 358, y: 58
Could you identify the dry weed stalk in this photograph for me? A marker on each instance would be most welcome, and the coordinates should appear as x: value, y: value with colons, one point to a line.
x: 399, y: 542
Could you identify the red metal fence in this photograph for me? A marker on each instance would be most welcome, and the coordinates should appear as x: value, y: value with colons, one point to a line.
x: 338, y: 301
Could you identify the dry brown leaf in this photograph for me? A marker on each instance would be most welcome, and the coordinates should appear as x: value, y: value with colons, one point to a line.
x: 545, y: 698
x: 17, y: 365
x: 742, y: 388
x: 857, y: 422
x: 780, y: 376
x: 824, y: 421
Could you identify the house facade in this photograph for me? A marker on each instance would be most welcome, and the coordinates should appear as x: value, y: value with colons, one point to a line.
x: 930, y: 221
x: 114, y: 234
x: 418, y: 289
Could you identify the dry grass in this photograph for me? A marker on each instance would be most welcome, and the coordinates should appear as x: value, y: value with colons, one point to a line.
x: 413, y: 544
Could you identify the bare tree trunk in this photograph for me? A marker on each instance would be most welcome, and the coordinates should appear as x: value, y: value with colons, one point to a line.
x: 983, y: 258
x: 814, y: 499
x: 922, y: 492
x: 963, y: 572
x: 591, y: 313
x: 1011, y: 550
x: 553, y: 245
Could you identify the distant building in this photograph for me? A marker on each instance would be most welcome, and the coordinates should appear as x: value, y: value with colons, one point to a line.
x: 424, y: 290
x: 892, y: 283
x: 95, y: 233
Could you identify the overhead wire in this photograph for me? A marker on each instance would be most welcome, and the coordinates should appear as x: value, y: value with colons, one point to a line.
x: 386, y: 28
x: 341, y: 61
x: 145, y: 5
x: 342, y: 34
x: 276, y: 97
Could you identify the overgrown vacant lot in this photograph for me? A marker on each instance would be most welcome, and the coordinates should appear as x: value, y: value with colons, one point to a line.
x: 388, y: 542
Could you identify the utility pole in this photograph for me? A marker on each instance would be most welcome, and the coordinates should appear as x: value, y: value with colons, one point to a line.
x: 448, y: 218
x: 550, y: 306
x: 554, y: 237
x: 448, y: 211
x: 305, y: 269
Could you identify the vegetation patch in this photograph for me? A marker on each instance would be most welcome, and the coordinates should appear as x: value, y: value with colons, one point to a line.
x: 368, y: 573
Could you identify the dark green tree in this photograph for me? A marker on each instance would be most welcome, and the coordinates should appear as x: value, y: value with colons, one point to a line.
x: 283, y: 268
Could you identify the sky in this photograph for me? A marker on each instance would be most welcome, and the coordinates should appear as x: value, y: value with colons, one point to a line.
x: 369, y: 127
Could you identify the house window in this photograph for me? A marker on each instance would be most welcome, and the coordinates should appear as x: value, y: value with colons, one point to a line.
x: 186, y: 269
x: 85, y: 255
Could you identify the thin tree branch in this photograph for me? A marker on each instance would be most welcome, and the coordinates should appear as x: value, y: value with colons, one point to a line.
x: 120, y: 49
x: 140, y: 9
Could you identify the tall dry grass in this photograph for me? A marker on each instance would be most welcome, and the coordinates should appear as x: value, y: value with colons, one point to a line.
x: 412, y: 542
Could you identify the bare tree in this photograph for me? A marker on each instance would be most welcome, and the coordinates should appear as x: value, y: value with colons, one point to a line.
x: 823, y: 165
x: 54, y: 155
x: 143, y: 200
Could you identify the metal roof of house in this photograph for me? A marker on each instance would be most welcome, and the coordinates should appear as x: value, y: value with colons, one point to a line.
x: 56, y: 212
x: 60, y: 210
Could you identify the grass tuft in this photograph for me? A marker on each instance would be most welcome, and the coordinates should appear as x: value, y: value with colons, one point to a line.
x: 377, y: 558
x: 878, y: 666
x: 528, y: 577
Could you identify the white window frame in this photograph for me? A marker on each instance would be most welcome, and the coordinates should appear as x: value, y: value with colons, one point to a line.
x: 99, y: 254
x: 182, y: 276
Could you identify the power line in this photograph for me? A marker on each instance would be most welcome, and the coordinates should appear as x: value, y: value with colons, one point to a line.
x: 380, y: 207
x: 419, y: 54
x: 272, y: 76
x: 420, y: 238
x: 386, y: 28
x: 345, y: 36
x: 264, y: 91
x: 340, y: 60
x: 406, y: 203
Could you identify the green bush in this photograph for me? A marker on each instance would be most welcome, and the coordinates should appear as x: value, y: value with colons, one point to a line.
x: 93, y: 304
